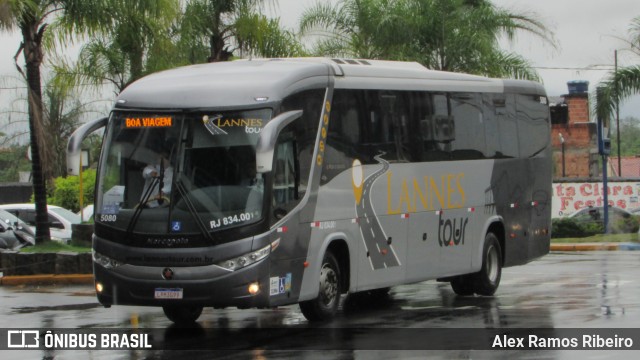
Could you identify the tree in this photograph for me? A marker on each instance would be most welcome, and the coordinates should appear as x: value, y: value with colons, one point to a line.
x: 623, y: 83
x: 353, y: 28
x: 173, y: 38
x: 136, y: 42
x: 31, y: 18
x: 62, y: 111
x: 629, y: 137
x: 257, y: 35
x: 212, y: 30
x: 13, y: 159
x: 449, y: 35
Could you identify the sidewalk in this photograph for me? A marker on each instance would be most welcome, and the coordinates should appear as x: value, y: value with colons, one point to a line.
x: 50, y: 279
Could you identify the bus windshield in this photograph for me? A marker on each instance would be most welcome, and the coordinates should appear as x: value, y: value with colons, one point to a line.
x: 180, y: 173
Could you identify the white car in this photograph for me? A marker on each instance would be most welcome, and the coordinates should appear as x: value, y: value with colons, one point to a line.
x: 60, y: 219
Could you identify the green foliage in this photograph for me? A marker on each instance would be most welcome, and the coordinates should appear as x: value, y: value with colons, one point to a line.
x: 620, y: 84
x: 136, y: 42
x: 66, y: 190
x: 450, y: 35
x: 629, y: 137
x: 571, y: 228
x: 567, y: 227
x: 54, y: 247
x: 12, y: 161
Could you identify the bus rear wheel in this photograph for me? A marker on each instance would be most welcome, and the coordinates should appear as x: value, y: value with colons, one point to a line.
x: 325, y: 306
x: 182, y: 315
x: 486, y: 281
x: 462, y: 285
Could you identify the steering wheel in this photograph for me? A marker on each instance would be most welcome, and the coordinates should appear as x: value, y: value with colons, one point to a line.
x: 163, y: 202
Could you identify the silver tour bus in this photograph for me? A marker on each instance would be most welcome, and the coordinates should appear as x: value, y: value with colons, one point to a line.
x: 265, y: 183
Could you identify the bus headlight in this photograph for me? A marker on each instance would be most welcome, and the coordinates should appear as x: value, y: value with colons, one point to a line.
x: 246, y: 259
x: 105, y: 261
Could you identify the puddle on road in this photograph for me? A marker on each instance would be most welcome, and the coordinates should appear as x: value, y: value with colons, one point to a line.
x: 35, y: 309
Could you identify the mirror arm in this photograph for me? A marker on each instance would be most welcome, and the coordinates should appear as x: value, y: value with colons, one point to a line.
x: 74, y: 146
x: 269, y: 136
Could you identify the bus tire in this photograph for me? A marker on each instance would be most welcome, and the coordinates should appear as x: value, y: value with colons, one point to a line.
x: 486, y: 281
x: 182, y: 315
x: 462, y: 285
x: 325, y: 306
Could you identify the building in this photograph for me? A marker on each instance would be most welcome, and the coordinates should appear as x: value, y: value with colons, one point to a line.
x: 573, y: 134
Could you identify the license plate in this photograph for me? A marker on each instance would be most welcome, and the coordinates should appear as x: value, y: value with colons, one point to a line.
x: 162, y: 293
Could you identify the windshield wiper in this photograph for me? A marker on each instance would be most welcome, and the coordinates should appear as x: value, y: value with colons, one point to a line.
x: 192, y: 210
x: 141, y: 206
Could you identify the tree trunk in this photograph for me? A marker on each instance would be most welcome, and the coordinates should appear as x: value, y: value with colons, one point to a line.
x: 32, y: 42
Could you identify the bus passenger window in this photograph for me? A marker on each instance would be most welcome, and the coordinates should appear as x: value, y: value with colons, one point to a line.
x: 285, y: 178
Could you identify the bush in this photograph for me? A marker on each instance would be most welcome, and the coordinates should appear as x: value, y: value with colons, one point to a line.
x: 625, y: 225
x: 66, y: 190
x: 568, y: 227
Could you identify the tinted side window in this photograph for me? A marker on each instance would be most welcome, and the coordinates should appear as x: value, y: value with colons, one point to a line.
x: 469, y: 142
x: 532, y: 113
x: 304, y: 130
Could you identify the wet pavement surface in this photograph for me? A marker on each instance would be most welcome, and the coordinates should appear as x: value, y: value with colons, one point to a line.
x: 561, y: 290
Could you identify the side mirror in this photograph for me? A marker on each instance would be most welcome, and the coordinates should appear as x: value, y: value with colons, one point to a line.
x: 279, y: 213
x: 74, y: 146
x: 268, y: 138
x: 56, y: 225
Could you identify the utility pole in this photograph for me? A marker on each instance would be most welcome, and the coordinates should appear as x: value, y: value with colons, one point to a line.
x: 564, y: 174
x: 617, y: 113
x: 604, y: 149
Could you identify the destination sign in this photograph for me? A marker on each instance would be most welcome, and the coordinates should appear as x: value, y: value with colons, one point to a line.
x: 148, y: 122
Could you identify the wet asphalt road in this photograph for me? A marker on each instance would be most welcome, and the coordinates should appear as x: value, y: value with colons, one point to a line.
x: 561, y: 290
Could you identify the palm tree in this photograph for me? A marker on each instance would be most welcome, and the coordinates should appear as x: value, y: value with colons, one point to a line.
x: 212, y: 30
x: 137, y: 42
x: 352, y: 28
x: 623, y: 83
x: 463, y: 36
x: 450, y: 35
x: 31, y: 18
x: 256, y: 35
x: 62, y: 111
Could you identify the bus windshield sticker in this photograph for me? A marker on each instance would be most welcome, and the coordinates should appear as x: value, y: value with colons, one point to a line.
x: 216, y: 124
x: 209, y: 124
x: 136, y: 122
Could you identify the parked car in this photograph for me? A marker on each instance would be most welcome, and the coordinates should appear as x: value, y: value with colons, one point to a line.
x: 620, y: 220
x: 14, y: 233
x: 86, y: 213
x: 60, y: 219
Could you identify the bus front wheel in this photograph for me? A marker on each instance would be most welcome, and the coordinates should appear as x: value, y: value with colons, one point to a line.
x: 325, y: 306
x: 182, y: 315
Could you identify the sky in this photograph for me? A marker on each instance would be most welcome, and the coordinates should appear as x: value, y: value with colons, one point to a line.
x: 587, y: 33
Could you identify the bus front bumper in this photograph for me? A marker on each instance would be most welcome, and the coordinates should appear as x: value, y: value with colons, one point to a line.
x: 199, y: 285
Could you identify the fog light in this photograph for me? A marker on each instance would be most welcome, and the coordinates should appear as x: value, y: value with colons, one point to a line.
x: 254, y: 288
x: 99, y: 287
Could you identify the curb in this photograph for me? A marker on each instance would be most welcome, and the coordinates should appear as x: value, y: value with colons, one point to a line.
x: 46, y: 279
x: 594, y: 247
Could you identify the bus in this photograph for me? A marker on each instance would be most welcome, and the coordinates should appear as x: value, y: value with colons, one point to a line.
x: 264, y: 183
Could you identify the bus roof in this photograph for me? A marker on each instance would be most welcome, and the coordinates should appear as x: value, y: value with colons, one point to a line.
x: 246, y: 83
